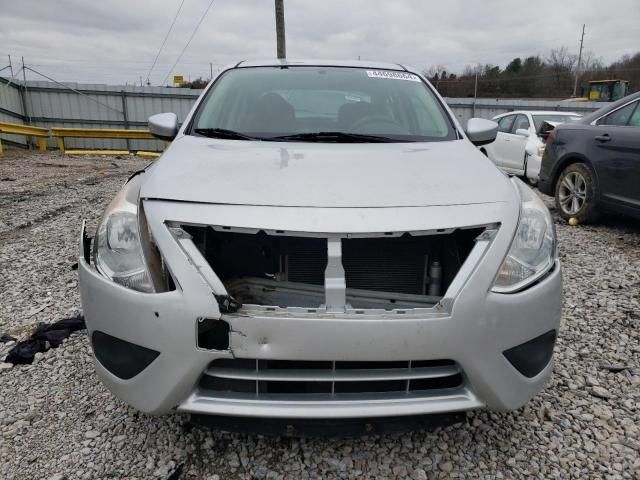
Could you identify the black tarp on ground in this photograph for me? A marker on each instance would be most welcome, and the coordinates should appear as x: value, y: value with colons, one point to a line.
x: 46, y: 336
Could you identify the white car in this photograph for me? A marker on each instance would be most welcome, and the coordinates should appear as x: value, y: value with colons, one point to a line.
x: 519, y: 147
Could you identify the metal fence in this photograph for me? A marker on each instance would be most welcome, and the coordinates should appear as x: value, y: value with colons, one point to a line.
x: 466, y: 108
x: 11, y: 108
x: 47, y: 104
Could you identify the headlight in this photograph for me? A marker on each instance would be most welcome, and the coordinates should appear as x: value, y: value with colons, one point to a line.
x: 533, y: 249
x: 118, y: 253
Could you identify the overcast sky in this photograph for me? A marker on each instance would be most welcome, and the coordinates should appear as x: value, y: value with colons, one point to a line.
x: 115, y: 41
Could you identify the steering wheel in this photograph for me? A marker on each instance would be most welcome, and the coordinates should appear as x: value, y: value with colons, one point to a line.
x: 378, y: 120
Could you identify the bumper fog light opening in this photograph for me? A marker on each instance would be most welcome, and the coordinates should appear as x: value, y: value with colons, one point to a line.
x: 531, y: 357
x: 123, y: 359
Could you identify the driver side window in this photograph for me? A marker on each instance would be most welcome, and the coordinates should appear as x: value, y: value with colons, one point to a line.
x: 622, y: 117
x: 505, y: 123
x: 522, y: 122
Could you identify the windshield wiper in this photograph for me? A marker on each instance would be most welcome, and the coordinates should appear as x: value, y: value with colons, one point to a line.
x: 224, y: 133
x: 337, y: 137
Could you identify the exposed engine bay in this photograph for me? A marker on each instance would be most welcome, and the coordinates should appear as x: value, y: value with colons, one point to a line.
x: 389, y: 272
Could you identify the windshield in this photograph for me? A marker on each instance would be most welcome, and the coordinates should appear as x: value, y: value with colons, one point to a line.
x: 337, y: 104
x: 538, y: 120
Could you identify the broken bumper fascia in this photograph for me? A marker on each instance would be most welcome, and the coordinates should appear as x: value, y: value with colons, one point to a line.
x: 474, y: 331
x: 533, y: 167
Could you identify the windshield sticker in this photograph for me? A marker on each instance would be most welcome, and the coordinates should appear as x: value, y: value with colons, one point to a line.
x: 393, y: 75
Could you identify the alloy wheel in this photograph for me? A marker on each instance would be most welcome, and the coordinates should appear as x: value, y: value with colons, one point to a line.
x: 572, y: 193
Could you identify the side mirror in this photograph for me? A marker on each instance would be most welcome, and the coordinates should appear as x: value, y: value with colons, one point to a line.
x: 523, y: 132
x: 164, y: 126
x: 481, y: 131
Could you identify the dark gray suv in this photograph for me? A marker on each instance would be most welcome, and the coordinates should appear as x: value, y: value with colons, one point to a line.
x: 593, y: 165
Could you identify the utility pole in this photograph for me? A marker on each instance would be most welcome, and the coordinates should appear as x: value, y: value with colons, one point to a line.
x: 23, y: 98
x: 475, y: 94
x: 210, y: 71
x: 10, y: 67
x: 280, y: 34
x: 575, y: 84
x: 475, y: 87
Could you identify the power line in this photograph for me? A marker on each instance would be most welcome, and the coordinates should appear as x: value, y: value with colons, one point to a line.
x: 165, y: 39
x: 24, y: 68
x: 193, y: 34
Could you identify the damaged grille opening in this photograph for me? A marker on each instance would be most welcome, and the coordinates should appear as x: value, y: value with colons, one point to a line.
x: 329, y: 380
x: 389, y: 272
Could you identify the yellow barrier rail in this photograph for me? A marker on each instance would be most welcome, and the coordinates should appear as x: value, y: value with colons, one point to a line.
x: 139, y: 153
x: 62, y: 133
x: 27, y: 130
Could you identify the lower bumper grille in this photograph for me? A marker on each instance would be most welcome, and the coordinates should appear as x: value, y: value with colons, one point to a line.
x: 327, y: 380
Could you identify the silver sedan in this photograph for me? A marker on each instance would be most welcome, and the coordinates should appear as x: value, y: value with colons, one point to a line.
x: 322, y: 240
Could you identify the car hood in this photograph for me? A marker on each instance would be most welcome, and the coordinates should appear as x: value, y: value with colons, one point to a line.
x: 297, y: 174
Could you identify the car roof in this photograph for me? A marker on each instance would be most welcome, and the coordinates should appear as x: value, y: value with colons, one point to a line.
x: 538, y: 112
x: 609, y: 81
x: 321, y: 63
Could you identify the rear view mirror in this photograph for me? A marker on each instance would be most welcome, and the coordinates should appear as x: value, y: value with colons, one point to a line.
x: 523, y: 132
x: 164, y: 126
x: 481, y: 131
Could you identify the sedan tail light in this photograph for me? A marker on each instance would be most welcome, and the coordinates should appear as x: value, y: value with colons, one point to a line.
x: 550, y: 137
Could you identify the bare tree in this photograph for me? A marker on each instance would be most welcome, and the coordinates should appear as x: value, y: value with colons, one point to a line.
x: 434, y: 70
x: 534, y: 76
x: 591, y: 62
x: 471, y: 70
x: 560, y: 63
x: 561, y: 58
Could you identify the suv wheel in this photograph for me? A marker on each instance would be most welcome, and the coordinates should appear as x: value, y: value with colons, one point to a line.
x: 576, y: 192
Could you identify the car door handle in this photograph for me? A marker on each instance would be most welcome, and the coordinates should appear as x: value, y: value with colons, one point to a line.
x: 602, y: 138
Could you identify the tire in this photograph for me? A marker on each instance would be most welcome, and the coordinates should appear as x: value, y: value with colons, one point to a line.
x: 576, y: 192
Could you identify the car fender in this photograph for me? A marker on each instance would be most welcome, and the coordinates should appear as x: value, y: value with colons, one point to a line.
x: 567, y: 159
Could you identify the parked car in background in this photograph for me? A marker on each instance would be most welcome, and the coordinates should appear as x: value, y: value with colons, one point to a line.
x: 593, y: 165
x: 519, y: 145
x: 322, y: 240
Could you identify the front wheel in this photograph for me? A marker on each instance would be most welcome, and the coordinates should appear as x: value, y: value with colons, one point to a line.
x: 576, y: 192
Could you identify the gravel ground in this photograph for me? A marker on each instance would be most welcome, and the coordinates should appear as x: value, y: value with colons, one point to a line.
x: 58, y: 421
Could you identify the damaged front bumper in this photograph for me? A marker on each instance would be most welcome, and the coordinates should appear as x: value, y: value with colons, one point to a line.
x: 472, y: 329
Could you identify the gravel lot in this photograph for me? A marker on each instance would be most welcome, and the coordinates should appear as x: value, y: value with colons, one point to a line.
x: 58, y: 421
